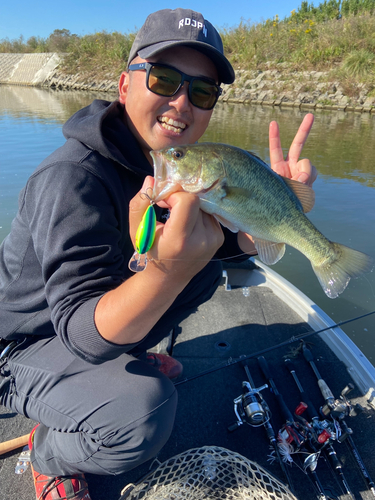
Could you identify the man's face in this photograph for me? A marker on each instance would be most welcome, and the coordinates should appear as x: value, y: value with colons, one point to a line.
x: 159, y: 122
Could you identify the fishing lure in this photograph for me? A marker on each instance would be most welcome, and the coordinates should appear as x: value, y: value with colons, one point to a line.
x: 144, y: 239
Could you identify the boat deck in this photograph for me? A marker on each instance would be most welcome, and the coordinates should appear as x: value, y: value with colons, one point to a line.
x: 231, y: 325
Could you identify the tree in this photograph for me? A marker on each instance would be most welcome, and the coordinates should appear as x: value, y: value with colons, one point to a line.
x: 59, y: 40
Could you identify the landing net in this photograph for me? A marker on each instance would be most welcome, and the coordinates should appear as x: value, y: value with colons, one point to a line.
x: 207, y: 473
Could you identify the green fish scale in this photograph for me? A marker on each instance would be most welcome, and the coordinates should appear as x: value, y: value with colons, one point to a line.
x: 270, y: 211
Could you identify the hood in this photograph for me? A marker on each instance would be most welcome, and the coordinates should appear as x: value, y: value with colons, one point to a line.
x: 101, y: 127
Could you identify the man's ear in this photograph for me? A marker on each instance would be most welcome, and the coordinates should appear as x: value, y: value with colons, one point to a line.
x: 123, y: 86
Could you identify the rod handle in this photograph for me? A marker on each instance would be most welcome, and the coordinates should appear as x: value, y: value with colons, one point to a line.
x: 290, y: 365
x: 13, y: 444
x: 334, y: 458
x: 267, y: 373
x: 307, y: 353
x: 311, y: 410
x: 265, y: 369
x: 325, y: 390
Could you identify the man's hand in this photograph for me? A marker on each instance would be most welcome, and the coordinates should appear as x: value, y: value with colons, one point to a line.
x: 292, y: 167
x: 189, y: 238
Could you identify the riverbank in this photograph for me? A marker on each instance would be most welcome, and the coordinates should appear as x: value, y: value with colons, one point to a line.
x: 280, y: 86
x: 304, y: 89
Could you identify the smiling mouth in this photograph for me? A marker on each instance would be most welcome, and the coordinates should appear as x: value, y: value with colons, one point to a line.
x: 171, y: 125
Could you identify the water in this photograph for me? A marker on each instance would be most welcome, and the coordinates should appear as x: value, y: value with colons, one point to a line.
x: 340, y: 146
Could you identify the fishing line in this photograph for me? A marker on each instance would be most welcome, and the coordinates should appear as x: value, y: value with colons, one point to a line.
x: 204, y: 260
x: 295, y: 338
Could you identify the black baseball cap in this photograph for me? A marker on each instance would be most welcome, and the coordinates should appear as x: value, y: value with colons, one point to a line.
x: 170, y: 28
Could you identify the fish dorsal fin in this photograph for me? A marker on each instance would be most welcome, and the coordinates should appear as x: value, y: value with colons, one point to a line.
x: 226, y: 223
x: 268, y: 251
x: 304, y: 193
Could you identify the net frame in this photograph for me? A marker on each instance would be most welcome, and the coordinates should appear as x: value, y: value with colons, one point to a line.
x: 209, y: 472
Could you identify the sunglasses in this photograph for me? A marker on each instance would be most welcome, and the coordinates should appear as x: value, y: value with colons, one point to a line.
x: 166, y: 81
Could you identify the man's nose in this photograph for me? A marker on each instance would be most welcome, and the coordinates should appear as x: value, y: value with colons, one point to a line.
x: 181, y: 101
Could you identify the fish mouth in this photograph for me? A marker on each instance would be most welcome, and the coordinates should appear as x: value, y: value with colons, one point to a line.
x: 164, y: 184
x: 171, y: 124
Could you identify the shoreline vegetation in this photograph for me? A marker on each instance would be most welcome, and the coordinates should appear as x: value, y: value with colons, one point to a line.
x: 318, y: 57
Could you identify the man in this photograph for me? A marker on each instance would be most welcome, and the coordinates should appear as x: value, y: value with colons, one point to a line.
x: 82, y: 322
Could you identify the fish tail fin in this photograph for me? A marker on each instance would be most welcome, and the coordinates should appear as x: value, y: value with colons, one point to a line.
x: 334, y: 275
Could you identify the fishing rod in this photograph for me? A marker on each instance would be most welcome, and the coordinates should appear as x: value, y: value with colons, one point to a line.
x: 338, y: 409
x: 251, y: 408
x: 269, y: 349
x: 324, y: 431
x: 293, y: 433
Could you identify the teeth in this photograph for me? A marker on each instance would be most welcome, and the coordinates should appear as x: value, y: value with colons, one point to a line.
x: 171, y: 124
x: 174, y: 129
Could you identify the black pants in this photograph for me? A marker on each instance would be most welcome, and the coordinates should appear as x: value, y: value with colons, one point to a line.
x: 102, y: 419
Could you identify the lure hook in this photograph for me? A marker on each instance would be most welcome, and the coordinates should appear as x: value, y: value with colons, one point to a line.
x: 147, y: 196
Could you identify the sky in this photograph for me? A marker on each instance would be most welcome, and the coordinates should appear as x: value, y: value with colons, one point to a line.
x: 82, y: 17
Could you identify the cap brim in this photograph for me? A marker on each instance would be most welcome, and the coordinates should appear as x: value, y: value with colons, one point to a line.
x: 223, y: 66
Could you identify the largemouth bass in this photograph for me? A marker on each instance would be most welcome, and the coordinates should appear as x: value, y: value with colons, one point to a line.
x: 244, y: 194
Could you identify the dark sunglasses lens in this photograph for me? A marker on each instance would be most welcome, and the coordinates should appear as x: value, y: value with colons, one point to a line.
x: 163, y: 81
x: 203, y: 94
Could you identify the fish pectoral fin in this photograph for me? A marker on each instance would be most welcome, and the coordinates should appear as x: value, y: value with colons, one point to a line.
x: 304, y: 193
x: 226, y: 223
x: 269, y: 252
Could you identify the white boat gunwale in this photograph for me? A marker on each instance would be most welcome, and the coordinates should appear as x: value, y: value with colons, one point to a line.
x: 359, y: 367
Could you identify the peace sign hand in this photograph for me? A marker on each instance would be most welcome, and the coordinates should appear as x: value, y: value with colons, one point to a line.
x: 291, y: 167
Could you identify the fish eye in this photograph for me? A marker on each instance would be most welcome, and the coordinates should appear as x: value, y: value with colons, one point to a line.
x: 177, y: 154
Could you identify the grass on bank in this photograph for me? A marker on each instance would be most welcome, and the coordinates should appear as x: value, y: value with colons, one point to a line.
x: 337, y: 35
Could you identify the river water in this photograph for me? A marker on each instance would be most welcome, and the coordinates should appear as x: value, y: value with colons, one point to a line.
x: 341, y: 146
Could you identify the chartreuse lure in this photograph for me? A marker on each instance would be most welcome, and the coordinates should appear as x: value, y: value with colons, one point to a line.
x: 144, y: 240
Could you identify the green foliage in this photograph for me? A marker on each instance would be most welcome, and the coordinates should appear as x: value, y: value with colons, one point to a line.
x: 325, y: 11
x: 102, y: 51
x: 359, y: 63
x: 333, y: 9
x: 336, y: 33
x: 355, y: 7
x: 100, y: 54
x: 60, y: 40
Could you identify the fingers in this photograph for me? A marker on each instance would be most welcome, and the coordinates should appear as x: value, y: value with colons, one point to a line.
x: 300, y: 139
x: 276, y: 152
x: 213, y: 230
x: 184, y: 213
x: 187, y: 221
x: 189, y: 238
x: 305, y: 172
x: 292, y: 167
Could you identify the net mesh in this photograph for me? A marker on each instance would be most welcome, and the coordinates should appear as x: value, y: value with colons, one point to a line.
x: 209, y: 472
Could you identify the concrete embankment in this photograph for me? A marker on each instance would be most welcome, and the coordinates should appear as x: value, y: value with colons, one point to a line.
x: 27, y: 69
x: 42, y: 70
x: 274, y: 87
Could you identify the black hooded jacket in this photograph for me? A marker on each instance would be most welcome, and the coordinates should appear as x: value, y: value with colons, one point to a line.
x: 69, y: 243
